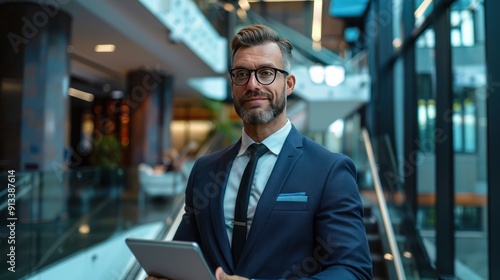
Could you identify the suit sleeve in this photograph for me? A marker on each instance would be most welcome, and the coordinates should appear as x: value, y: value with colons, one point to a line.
x: 188, y: 228
x: 339, y: 226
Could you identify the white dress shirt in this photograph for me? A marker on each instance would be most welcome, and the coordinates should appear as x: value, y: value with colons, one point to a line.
x: 265, y: 165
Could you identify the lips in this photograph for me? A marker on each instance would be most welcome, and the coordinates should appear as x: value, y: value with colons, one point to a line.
x: 253, y: 101
x: 254, y: 97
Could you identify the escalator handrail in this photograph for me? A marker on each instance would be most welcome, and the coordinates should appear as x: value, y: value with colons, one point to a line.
x: 400, y: 271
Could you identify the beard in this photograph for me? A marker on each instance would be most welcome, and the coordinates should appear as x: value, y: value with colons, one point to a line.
x: 265, y: 115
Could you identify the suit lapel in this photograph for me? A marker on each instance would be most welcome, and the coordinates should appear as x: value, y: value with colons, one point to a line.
x: 216, y: 203
x: 287, y: 158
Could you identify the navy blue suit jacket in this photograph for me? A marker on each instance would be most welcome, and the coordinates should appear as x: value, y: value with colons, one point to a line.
x: 320, y: 237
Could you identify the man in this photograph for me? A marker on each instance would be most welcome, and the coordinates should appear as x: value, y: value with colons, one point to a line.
x: 305, y: 216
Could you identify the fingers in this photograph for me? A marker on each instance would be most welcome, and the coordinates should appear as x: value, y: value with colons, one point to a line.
x: 220, y: 274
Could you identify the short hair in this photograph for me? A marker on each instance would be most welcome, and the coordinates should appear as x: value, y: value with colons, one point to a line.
x: 258, y: 34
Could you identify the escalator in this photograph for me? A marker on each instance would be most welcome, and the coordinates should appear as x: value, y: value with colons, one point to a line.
x: 373, y: 233
x: 395, y: 243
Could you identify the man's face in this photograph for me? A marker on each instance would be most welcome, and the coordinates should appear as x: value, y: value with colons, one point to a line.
x: 256, y: 103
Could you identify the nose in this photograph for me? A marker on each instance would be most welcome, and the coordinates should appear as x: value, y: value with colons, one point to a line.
x: 252, y: 81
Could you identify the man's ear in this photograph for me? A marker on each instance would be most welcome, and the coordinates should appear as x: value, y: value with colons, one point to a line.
x: 290, y: 84
x: 231, y: 85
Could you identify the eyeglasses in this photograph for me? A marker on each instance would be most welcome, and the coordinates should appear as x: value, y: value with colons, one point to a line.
x: 264, y: 75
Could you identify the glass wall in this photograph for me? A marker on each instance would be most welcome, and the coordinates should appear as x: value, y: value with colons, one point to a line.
x: 468, y: 116
x: 426, y: 116
x: 469, y: 132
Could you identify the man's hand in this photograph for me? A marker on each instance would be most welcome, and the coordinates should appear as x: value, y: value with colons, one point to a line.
x: 221, y: 275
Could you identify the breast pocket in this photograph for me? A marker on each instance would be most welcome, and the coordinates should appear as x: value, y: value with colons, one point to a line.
x: 291, y: 206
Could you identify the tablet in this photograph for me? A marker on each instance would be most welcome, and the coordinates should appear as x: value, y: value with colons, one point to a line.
x: 174, y: 260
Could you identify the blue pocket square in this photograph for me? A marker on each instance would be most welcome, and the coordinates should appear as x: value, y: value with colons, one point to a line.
x: 297, y: 197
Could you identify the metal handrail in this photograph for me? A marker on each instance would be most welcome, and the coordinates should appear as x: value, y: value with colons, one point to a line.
x: 383, y: 208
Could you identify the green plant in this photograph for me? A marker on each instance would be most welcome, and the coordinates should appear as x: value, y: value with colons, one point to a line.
x: 107, y: 152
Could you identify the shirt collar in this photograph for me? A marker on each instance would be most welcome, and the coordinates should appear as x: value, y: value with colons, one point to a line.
x: 273, y: 142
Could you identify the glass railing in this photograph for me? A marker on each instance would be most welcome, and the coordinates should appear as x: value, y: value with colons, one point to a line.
x: 404, y: 253
x: 72, y: 224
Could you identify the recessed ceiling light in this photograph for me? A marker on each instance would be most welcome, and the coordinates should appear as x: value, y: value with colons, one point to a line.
x: 105, y: 48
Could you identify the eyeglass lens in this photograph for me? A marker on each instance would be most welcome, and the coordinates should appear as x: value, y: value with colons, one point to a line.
x: 264, y: 75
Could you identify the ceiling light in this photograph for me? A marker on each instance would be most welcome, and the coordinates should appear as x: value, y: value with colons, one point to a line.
x: 317, y: 74
x: 334, y: 75
x: 105, y: 48
x: 316, y: 22
x: 89, y: 97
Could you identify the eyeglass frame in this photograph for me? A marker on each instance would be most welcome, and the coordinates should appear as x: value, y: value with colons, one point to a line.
x: 276, y: 70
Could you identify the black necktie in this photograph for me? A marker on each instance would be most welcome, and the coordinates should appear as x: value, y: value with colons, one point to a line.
x: 241, y: 207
